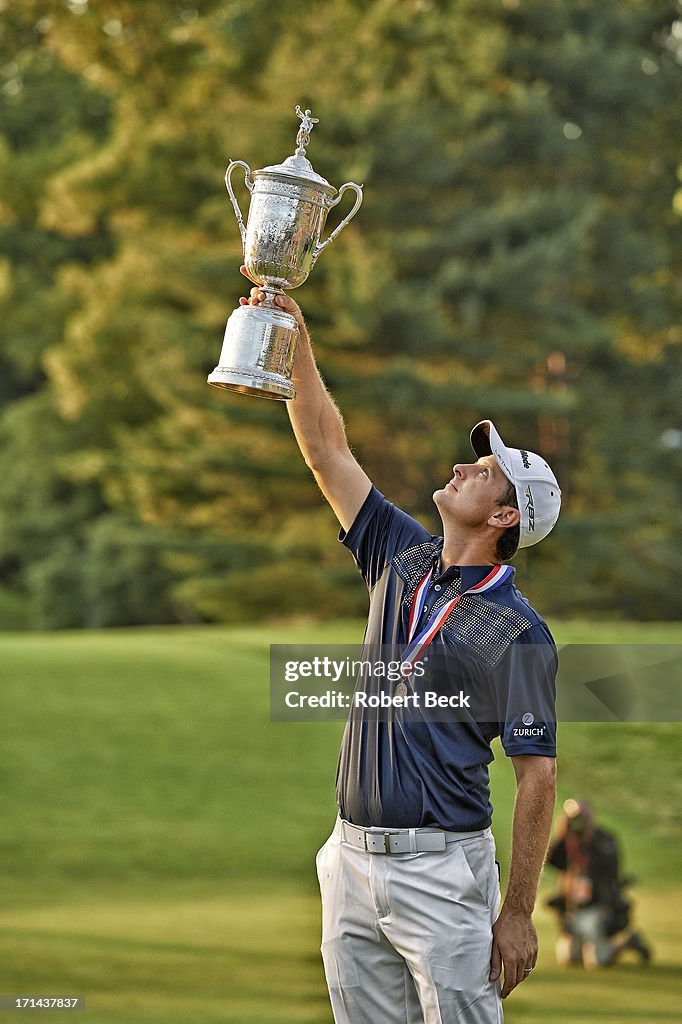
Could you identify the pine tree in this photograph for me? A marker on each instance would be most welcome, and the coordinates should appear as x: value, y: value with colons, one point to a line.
x: 512, y: 258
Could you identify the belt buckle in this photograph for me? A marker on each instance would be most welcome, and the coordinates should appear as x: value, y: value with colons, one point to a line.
x: 387, y: 842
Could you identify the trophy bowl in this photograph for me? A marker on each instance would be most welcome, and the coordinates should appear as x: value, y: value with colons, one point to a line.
x: 281, y: 243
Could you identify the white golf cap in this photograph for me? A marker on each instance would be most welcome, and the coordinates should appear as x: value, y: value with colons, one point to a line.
x: 537, y: 491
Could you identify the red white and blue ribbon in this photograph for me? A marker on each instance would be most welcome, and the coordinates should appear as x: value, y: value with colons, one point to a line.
x: 416, y: 645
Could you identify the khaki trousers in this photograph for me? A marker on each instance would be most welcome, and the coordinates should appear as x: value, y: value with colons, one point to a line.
x: 407, y: 937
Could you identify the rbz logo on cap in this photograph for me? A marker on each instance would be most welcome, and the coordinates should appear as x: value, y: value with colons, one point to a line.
x: 525, y: 459
x: 530, y: 508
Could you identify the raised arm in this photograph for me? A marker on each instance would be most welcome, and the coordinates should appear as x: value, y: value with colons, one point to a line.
x: 318, y: 426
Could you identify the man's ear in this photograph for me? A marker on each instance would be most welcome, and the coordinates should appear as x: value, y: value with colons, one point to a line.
x: 504, y: 517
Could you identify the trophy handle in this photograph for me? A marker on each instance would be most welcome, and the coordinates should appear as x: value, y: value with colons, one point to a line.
x: 349, y: 217
x: 250, y: 184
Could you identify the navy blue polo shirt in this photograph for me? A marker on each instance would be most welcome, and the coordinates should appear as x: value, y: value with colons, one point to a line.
x: 397, y: 771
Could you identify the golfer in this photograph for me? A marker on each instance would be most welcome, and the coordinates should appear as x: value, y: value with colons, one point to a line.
x: 411, y: 932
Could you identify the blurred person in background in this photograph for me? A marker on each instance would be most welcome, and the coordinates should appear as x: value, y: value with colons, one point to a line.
x: 593, y: 913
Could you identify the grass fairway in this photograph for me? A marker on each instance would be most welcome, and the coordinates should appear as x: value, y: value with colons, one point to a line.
x: 158, y: 832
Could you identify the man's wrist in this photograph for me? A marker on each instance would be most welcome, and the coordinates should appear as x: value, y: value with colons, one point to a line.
x: 518, y: 904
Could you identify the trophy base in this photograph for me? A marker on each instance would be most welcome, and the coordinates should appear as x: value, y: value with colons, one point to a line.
x: 250, y: 383
x: 258, y: 353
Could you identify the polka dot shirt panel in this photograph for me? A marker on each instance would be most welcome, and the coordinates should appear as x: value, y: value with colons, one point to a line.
x: 412, y: 565
x: 486, y: 627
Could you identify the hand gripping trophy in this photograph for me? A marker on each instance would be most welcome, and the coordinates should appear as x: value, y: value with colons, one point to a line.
x: 281, y: 242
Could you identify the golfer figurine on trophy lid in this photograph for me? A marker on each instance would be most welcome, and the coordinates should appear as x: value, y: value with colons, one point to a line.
x: 281, y: 242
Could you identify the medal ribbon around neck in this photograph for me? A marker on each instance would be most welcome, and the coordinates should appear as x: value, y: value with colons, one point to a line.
x: 498, y: 575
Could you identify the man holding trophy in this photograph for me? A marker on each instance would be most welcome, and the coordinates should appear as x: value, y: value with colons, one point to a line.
x: 411, y: 932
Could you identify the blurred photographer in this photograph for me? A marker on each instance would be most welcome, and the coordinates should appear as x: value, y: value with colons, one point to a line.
x: 592, y: 910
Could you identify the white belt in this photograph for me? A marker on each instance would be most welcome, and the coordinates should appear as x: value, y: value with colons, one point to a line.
x: 403, y: 840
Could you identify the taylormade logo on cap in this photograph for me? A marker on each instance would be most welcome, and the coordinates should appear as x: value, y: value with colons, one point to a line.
x: 500, y: 455
x: 538, y: 494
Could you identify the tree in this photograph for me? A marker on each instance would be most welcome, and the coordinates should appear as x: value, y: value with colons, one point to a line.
x: 513, y: 258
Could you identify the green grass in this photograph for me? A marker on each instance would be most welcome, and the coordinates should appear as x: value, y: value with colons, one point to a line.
x: 158, y: 831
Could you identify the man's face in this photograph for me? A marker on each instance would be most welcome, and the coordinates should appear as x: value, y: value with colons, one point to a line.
x: 471, y: 497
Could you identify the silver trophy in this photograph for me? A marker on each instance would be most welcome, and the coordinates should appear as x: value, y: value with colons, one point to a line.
x: 281, y: 242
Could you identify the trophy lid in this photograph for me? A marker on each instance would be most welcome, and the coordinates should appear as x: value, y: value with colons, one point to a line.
x: 298, y: 167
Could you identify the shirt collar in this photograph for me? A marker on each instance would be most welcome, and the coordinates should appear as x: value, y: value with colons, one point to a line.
x: 471, y: 574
